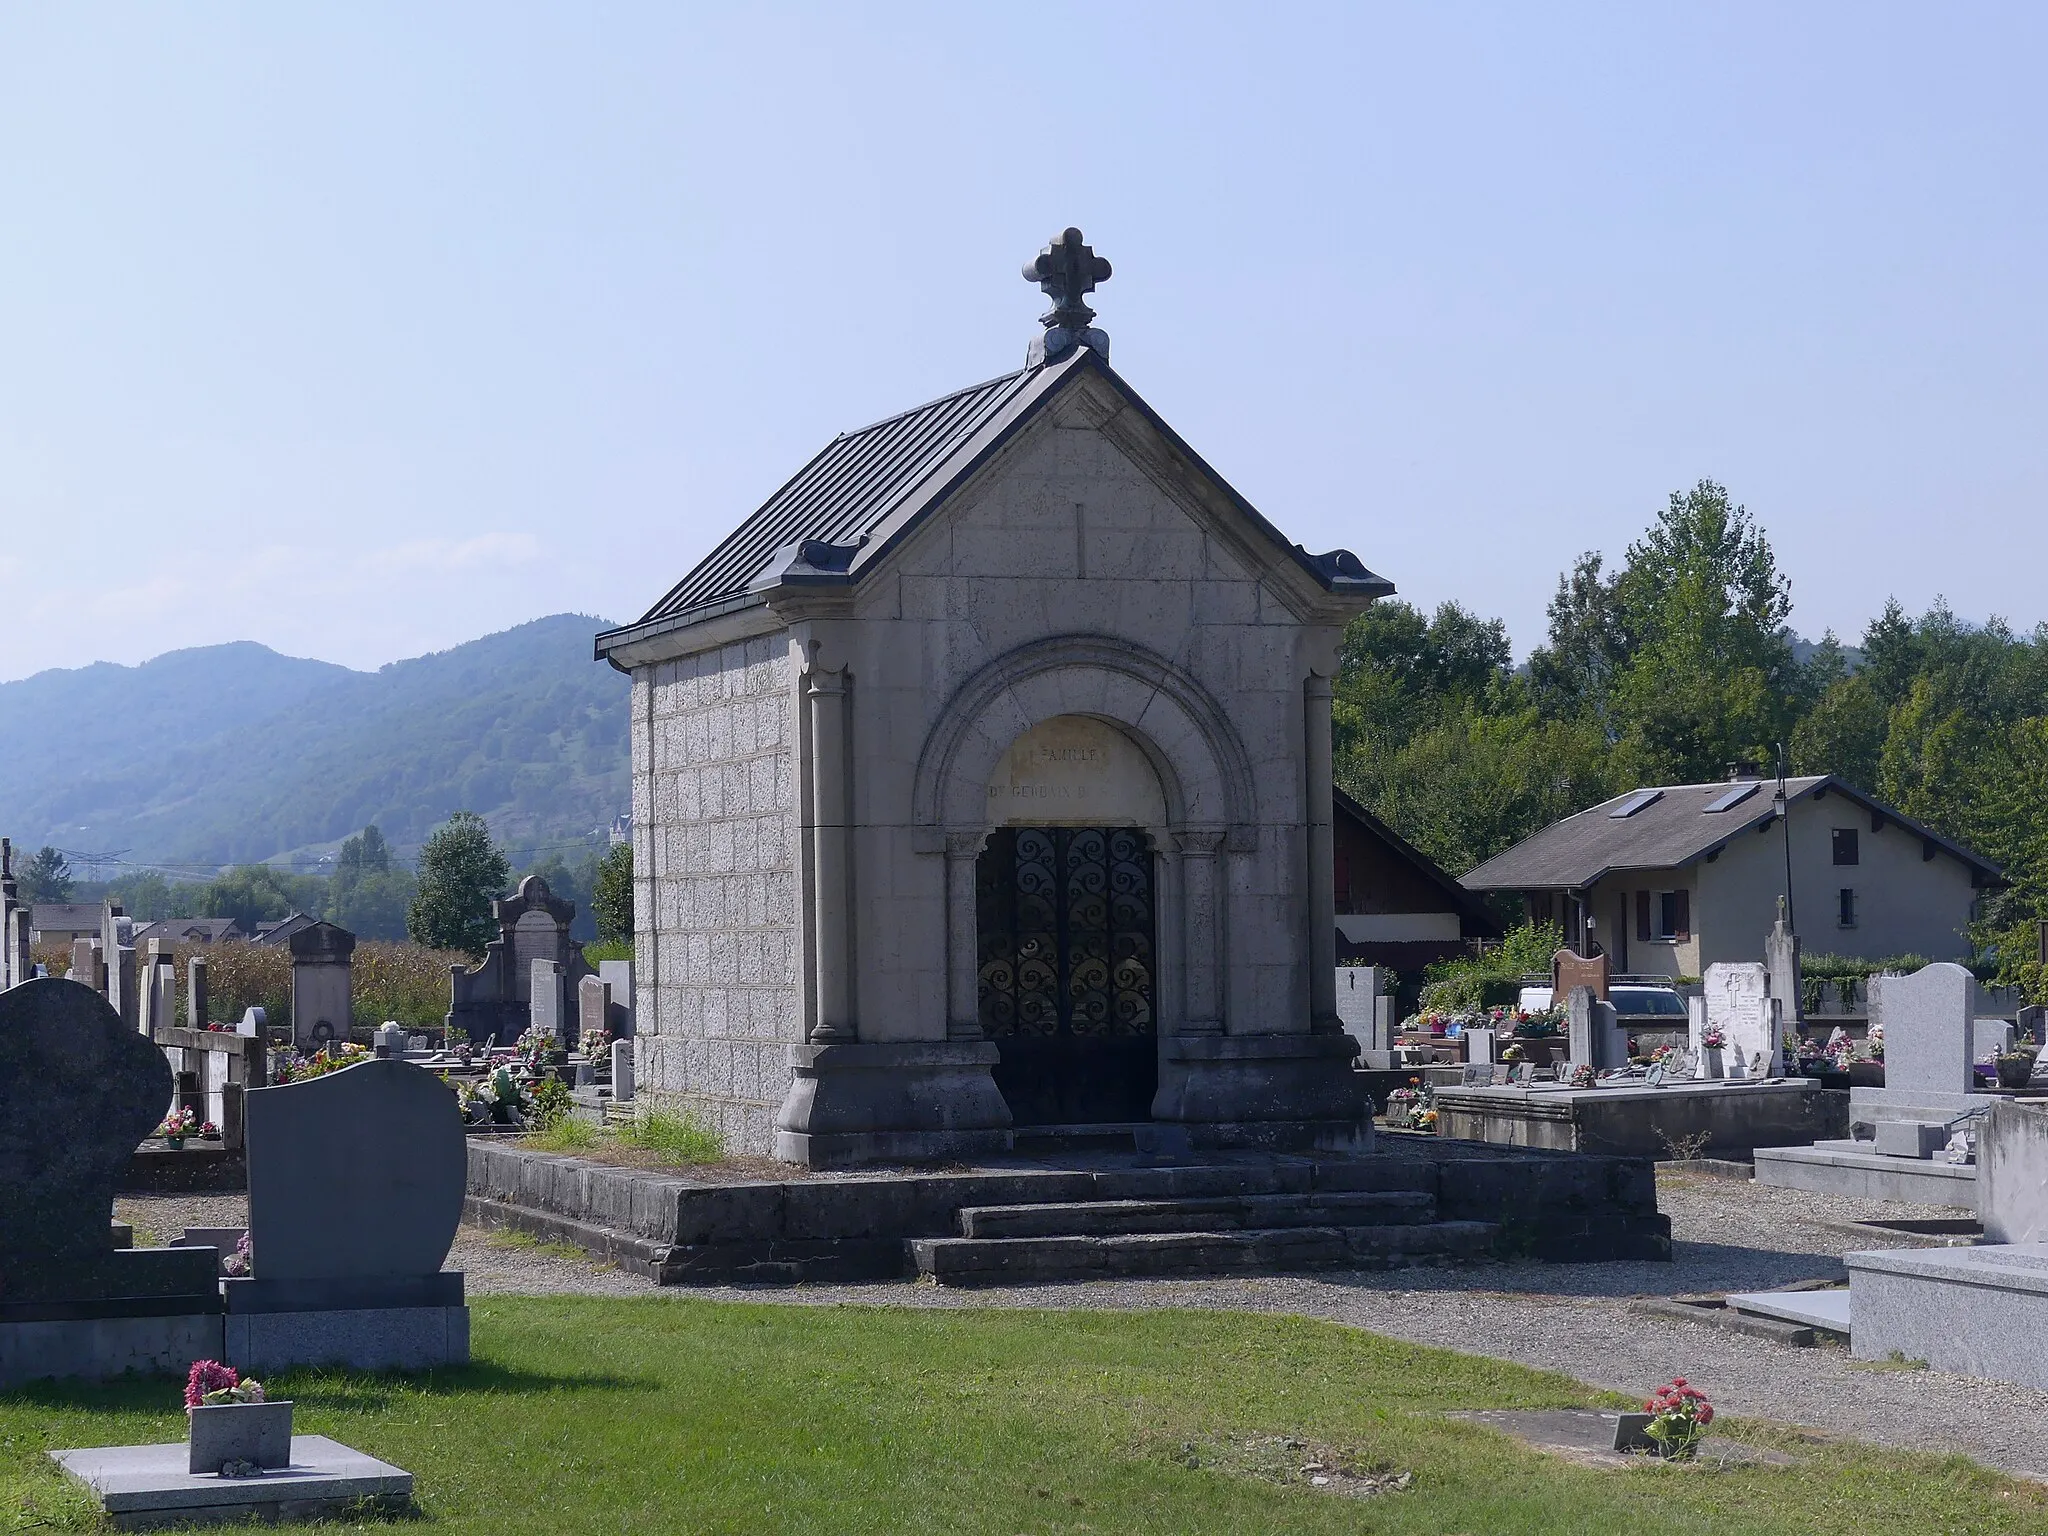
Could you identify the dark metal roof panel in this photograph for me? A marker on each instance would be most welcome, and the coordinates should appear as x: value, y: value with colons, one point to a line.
x: 847, y: 490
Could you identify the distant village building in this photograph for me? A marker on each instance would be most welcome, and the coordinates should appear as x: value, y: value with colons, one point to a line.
x: 189, y: 930
x: 60, y: 922
x: 281, y: 931
x: 1396, y: 906
x: 1668, y: 879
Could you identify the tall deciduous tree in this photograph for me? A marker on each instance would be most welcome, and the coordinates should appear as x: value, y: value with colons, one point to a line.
x: 612, y: 902
x: 461, y: 872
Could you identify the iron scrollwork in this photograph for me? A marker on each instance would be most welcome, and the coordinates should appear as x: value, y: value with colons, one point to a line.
x: 1065, y: 917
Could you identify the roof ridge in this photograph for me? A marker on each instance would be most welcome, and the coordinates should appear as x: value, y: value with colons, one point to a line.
x: 951, y: 395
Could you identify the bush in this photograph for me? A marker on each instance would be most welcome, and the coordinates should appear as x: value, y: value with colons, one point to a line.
x: 673, y: 1139
x: 1472, y: 983
x: 596, y: 954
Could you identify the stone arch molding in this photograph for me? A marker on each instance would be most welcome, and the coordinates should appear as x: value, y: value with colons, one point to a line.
x: 1202, y: 765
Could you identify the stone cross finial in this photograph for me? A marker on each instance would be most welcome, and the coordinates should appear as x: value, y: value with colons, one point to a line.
x: 1067, y: 271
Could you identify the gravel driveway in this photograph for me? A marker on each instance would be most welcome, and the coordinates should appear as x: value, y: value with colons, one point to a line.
x: 1731, y: 1235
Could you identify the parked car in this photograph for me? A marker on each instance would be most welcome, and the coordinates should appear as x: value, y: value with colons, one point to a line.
x: 1631, y: 1000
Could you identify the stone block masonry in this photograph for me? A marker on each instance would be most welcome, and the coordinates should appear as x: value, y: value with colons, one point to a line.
x: 718, y: 937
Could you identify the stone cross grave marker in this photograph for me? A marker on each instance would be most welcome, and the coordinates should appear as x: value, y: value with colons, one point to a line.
x: 1737, y: 1001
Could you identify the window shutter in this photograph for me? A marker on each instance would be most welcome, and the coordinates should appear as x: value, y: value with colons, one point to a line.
x: 1643, y: 915
x: 1684, y: 923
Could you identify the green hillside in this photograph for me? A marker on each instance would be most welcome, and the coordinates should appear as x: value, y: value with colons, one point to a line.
x: 232, y: 753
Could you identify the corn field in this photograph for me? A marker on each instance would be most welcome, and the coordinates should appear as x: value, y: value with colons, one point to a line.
x: 404, y: 982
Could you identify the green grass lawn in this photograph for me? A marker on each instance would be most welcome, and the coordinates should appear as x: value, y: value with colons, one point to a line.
x: 676, y: 1415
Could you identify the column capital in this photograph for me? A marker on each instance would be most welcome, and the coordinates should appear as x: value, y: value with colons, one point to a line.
x: 965, y: 842
x: 1198, y: 842
x: 1315, y: 686
x: 823, y: 680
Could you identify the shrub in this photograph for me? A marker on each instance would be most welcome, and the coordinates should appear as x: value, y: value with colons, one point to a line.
x: 1471, y: 983
x: 673, y: 1139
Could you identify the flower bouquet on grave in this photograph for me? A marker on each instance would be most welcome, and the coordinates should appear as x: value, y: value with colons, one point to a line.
x: 1513, y: 1055
x: 1713, y: 1040
x: 2016, y: 1067
x: 208, y: 1131
x: 1679, y: 1416
x: 232, y: 1429
x: 1547, y: 1024
x: 241, y: 1263
x: 1583, y: 1075
x: 177, y: 1125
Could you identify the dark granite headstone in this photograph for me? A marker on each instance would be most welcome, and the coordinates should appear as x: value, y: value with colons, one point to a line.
x: 354, y: 1176
x: 78, y: 1091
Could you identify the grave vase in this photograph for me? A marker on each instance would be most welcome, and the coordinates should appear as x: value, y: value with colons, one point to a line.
x: 258, y: 1433
x: 1710, y: 1063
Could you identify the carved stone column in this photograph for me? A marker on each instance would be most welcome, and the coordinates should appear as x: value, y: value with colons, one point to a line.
x: 1201, y: 931
x: 963, y: 936
x: 825, y: 696
x: 1322, y: 863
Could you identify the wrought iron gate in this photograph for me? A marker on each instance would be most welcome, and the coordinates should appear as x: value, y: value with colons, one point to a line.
x: 1065, y: 916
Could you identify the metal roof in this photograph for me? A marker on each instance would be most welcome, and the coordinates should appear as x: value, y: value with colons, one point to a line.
x: 854, y: 482
x: 837, y: 515
x: 1683, y: 823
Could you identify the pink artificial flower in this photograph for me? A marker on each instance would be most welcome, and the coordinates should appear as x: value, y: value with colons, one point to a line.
x: 208, y: 1376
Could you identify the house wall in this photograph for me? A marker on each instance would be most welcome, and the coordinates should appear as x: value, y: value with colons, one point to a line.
x: 715, y: 839
x: 1653, y: 957
x: 1906, y: 904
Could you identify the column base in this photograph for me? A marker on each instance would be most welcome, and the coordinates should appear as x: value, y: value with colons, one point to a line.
x: 1277, y: 1091
x: 915, y: 1102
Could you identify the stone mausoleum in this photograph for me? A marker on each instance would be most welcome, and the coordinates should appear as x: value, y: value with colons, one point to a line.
x: 981, y: 782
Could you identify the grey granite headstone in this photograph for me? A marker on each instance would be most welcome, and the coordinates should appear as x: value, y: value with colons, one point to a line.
x: 1991, y: 1038
x: 622, y: 1071
x: 1595, y: 1036
x: 396, y: 1129
x: 1781, y: 960
x: 196, y: 1000
x: 321, y: 972
x: 618, y: 975
x: 545, y: 1012
x: 78, y: 1092
x: 1927, y: 1028
x: 1480, y: 1044
x: 593, y: 1007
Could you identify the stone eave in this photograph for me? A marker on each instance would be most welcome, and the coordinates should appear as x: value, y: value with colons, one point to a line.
x: 740, y: 617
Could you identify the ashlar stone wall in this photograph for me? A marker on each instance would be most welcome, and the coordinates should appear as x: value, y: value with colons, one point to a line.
x: 716, y: 876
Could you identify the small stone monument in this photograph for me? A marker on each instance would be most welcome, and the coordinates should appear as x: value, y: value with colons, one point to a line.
x: 618, y: 975
x: 544, y: 1001
x: 196, y: 1001
x: 1596, y: 1039
x: 1736, y: 999
x: 348, y: 1255
x: 1781, y: 961
x: 321, y: 966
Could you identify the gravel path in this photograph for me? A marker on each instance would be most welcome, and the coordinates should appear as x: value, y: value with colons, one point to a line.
x: 1568, y: 1318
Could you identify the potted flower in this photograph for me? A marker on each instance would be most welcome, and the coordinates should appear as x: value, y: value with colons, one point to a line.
x: 1712, y: 1042
x: 2016, y: 1066
x: 233, y: 1431
x: 1679, y: 1416
x: 1538, y: 1034
x: 178, y: 1124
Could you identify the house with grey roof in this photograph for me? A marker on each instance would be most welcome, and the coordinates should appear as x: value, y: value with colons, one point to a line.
x: 1669, y: 879
x: 189, y: 930
x: 60, y: 922
x: 982, y: 780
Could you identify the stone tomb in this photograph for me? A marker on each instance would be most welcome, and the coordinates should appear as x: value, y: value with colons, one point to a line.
x: 355, y: 1190
x: 321, y: 968
x: 982, y: 781
x: 494, y: 1001
x: 1736, y: 999
x: 78, y: 1091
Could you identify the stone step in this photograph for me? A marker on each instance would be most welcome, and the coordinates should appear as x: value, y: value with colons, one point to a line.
x: 1219, y: 1213
x: 1025, y: 1260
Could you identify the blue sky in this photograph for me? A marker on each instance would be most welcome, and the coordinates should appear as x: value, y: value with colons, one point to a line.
x: 361, y: 330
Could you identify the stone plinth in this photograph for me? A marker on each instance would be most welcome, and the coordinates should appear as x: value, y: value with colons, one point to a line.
x: 1855, y: 1171
x: 2012, y: 1174
x: 1737, y: 1118
x: 850, y: 1104
x: 1273, y: 1091
x: 142, y: 1487
x: 1976, y: 1311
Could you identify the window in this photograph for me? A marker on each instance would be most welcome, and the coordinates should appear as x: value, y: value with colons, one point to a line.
x: 1671, y: 912
x: 1847, y: 915
x: 1845, y: 847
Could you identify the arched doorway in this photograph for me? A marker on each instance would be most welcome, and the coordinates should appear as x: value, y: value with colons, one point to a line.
x: 1066, y: 916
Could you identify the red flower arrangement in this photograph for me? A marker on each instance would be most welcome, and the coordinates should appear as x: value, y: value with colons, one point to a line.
x: 211, y: 1383
x: 1679, y: 1416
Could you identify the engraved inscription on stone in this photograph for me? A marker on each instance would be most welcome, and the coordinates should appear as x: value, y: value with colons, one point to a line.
x: 1074, y: 770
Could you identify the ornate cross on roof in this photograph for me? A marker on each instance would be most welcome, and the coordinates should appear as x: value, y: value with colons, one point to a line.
x: 1067, y: 270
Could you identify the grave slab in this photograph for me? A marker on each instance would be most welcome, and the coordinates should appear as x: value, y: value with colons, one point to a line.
x: 1811, y: 1309
x: 1976, y: 1311
x: 144, y: 1487
x: 1735, y: 1118
x: 1852, y: 1169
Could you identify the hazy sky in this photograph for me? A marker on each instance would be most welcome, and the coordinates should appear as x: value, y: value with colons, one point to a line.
x: 361, y: 330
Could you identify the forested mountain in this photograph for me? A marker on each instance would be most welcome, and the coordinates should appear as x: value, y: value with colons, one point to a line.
x: 234, y: 754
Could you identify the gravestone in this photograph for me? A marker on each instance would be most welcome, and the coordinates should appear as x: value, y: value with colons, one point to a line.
x: 1569, y: 970
x: 1991, y: 1038
x: 594, y: 1012
x: 1928, y: 1024
x: 1781, y: 962
x: 618, y: 975
x: 1358, y: 1006
x: 348, y: 1255
x: 86, y: 967
x: 544, y: 1001
x: 622, y: 1071
x: 1595, y: 1037
x: 196, y: 1000
x: 78, y: 1091
x: 1736, y: 999
x: 321, y: 967
x: 1480, y: 1044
